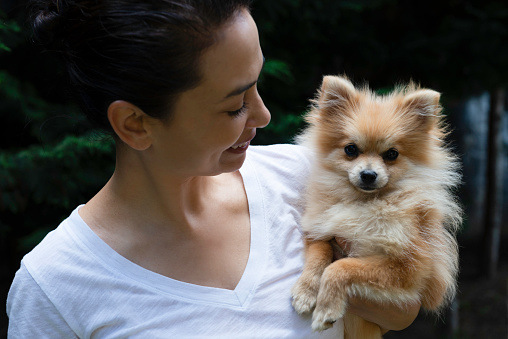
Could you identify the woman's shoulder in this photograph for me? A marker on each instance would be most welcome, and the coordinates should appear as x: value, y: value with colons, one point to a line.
x: 64, y: 252
x: 291, y: 150
x: 50, y: 244
x: 280, y: 167
x: 26, y: 299
x: 282, y: 155
x: 44, y: 272
x: 69, y: 268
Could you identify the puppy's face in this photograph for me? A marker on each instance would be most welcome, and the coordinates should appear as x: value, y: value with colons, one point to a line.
x: 368, y: 151
x: 373, y: 141
x: 367, y: 170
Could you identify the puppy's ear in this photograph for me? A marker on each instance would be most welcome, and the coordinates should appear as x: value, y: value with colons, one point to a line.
x: 423, y: 107
x: 337, y: 93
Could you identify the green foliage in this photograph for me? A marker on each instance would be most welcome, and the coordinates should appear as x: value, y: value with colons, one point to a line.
x: 51, y: 174
x: 278, y: 69
x: 7, y: 28
x: 457, y: 47
x: 33, y: 118
x: 277, y: 77
x: 50, y: 159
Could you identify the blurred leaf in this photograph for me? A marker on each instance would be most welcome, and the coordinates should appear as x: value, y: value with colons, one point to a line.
x: 279, y: 70
x: 6, y: 30
x: 52, y: 174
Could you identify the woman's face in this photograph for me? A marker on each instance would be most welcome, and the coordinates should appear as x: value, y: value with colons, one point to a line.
x: 212, y: 124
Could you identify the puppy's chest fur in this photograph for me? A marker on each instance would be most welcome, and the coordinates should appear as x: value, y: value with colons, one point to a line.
x: 372, y: 227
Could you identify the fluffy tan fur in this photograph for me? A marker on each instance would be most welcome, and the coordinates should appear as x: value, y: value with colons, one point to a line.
x: 400, y: 223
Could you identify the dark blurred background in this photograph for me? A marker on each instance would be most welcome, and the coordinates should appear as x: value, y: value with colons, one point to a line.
x: 51, y: 161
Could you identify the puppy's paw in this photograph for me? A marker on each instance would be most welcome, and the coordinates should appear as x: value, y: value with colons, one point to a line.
x: 322, y: 321
x: 304, y: 295
x: 325, y: 315
x: 331, y: 303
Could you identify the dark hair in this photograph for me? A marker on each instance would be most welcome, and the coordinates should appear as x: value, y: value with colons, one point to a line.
x: 145, y: 52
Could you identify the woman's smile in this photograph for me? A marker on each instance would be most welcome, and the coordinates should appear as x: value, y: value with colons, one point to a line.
x: 241, y: 147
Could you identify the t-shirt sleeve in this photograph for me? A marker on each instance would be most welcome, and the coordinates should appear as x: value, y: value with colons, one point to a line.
x: 31, y: 313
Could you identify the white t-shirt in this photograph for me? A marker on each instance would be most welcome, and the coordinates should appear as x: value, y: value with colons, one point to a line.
x: 74, y: 285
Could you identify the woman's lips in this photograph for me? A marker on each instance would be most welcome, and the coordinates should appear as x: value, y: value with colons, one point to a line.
x: 241, y: 147
x: 244, y: 145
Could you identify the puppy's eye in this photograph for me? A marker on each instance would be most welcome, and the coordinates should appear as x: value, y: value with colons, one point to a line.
x: 351, y: 150
x: 391, y: 154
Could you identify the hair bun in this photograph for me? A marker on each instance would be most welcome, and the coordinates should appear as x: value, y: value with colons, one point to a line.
x: 46, y: 19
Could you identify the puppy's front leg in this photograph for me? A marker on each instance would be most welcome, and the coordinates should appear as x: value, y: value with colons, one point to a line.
x: 332, y: 298
x: 374, y: 275
x: 318, y: 255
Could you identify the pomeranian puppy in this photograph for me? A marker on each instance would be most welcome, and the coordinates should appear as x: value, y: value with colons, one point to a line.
x: 383, y: 180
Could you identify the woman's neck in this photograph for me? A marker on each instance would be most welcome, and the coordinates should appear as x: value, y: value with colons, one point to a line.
x: 137, y: 193
x: 189, y: 229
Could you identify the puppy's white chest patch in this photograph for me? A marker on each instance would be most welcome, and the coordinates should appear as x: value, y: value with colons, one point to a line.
x: 366, y: 225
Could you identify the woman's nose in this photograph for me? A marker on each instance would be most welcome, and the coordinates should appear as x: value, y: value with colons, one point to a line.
x: 259, y: 114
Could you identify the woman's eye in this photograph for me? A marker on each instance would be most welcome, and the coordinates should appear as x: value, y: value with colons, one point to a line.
x: 351, y: 150
x: 239, y: 111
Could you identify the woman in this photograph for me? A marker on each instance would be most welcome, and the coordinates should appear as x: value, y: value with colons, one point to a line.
x: 196, y: 233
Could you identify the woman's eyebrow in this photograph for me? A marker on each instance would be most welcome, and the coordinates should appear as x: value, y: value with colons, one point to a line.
x: 242, y: 89
x: 239, y: 90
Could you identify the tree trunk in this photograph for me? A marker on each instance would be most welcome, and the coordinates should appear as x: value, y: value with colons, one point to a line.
x: 494, y: 182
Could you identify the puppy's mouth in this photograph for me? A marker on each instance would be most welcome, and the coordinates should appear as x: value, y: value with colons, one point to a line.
x: 367, y: 180
x: 367, y: 188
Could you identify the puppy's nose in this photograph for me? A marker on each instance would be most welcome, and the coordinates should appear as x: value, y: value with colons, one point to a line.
x: 368, y: 177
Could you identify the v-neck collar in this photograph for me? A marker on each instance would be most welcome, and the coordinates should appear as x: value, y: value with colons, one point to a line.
x: 239, y: 297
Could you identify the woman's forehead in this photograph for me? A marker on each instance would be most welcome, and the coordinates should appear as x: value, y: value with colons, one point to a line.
x: 234, y: 62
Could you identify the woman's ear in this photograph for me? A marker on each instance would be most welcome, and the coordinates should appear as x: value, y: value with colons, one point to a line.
x: 130, y: 124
